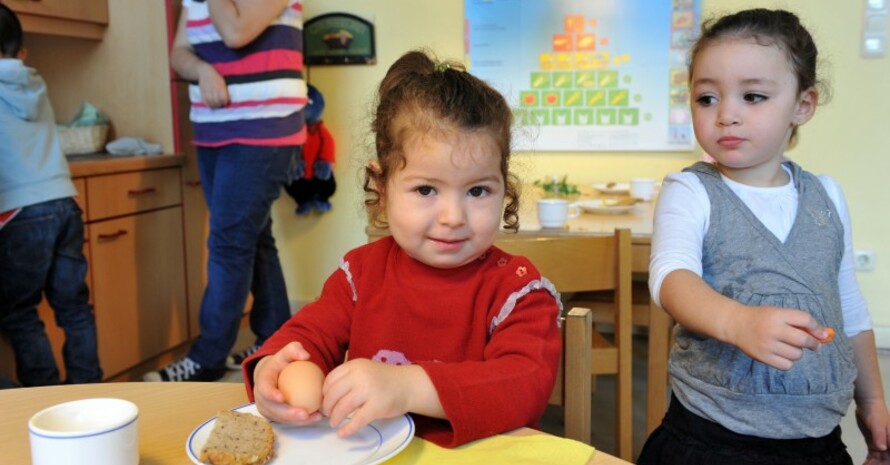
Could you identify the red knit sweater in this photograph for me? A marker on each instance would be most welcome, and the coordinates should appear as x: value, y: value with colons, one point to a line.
x: 486, y: 334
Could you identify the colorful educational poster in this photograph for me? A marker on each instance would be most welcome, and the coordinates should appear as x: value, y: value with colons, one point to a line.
x: 585, y: 75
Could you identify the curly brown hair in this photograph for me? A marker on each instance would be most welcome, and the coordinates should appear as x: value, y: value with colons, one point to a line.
x: 420, y: 93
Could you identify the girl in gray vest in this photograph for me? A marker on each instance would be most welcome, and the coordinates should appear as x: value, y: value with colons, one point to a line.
x: 752, y: 257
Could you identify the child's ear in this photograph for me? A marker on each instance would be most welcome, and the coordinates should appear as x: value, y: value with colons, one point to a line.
x: 23, y: 54
x: 376, y: 173
x: 806, y: 106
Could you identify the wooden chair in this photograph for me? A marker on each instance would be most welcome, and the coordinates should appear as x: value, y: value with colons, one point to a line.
x: 593, y: 263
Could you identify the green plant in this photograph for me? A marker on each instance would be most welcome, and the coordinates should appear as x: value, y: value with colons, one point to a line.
x: 557, y: 187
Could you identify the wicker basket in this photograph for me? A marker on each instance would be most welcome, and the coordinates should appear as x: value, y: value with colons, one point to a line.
x: 87, y: 139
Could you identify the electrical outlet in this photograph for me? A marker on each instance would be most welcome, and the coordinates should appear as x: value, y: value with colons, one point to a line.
x: 864, y: 260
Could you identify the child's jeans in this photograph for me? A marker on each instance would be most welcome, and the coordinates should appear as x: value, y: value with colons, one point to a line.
x: 41, y: 252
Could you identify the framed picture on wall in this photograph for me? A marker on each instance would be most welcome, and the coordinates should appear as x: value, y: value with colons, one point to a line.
x: 338, y: 39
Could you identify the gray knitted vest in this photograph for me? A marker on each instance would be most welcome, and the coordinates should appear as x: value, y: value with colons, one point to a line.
x: 743, y: 260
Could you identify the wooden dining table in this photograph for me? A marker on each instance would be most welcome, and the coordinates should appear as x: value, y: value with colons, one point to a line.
x: 168, y: 413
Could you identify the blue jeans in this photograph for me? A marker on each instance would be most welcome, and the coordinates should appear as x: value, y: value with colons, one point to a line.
x: 41, y: 252
x: 240, y: 183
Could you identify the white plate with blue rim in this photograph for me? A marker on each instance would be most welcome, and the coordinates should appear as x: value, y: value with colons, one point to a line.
x: 318, y: 443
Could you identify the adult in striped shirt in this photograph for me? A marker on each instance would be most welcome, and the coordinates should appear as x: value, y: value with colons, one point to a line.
x: 244, y: 63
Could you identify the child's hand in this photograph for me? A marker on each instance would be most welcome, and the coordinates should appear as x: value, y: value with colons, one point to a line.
x: 875, y: 457
x: 775, y: 336
x: 874, y: 422
x: 269, y: 400
x: 368, y: 390
x: 214, y: 92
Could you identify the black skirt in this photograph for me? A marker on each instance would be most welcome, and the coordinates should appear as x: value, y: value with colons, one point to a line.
x: 685, y: 438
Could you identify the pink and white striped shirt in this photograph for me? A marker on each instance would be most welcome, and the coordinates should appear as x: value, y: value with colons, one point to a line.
x: 265, y: 81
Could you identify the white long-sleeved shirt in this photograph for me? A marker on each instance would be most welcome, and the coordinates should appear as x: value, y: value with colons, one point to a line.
x: 682, y: 217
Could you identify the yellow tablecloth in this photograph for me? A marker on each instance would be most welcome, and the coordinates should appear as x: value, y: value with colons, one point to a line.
x: 514, y: 450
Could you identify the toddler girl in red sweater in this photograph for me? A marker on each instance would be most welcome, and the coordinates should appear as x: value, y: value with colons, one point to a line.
x: 438, y: 322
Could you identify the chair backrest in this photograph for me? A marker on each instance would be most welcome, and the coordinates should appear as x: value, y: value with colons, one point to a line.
x: 576, y: 263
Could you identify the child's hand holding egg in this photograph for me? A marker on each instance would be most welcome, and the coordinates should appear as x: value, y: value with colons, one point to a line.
x: 301, y: 384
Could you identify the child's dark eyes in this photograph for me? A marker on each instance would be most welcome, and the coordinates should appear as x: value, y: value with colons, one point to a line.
x: 709, y: 100
x: 755, y: 98
x: 706, y: 100
x: 478, y: 191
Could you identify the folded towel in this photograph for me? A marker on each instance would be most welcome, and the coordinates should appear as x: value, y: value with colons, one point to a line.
x: 87, y: 115
x: 531, y: 449
x: 132, y: 146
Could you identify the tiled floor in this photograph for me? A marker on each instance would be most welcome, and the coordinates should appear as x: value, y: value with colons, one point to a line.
x: 603, y: 411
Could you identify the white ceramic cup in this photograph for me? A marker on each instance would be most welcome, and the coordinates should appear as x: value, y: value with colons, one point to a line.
x: 642, y: 188
x: 98, y: 431
x: 553, y: 213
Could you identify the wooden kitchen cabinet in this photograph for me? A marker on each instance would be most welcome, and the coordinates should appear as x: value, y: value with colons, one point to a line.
x: 138, y: 268
x: 72, y: 18
x: 126, y: 193
x: 138, y: 287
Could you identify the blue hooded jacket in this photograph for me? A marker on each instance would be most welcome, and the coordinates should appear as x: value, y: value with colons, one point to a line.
x: 33, y: 168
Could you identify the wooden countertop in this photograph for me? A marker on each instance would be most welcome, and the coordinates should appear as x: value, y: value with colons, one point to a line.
x: 98, y: 163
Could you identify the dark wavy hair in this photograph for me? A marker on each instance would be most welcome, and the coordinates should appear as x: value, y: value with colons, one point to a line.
x: 10, y: 33
x: 420, y: 93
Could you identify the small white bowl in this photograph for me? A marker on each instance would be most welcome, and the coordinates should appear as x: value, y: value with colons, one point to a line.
x: 100, y: 431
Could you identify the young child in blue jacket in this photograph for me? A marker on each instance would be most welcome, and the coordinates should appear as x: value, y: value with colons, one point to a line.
x: 41, y: 231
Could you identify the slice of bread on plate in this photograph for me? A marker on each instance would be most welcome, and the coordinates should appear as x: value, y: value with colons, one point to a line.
x: 238, y: 439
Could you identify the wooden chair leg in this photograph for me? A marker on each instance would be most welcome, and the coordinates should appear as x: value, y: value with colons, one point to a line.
x: 660, y: 324
x: 576, y: 400
x: 624, y: 395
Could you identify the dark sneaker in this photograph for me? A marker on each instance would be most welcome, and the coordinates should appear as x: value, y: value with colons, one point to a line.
x: 182, y: 370
x: 234, y: 361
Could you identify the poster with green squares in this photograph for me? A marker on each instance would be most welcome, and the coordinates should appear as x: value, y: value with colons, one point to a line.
x: 588, y: 75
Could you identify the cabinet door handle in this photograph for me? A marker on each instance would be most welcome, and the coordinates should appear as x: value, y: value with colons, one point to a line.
x: 114, y: 235
x: 193, y: 183
x: 147, y: 190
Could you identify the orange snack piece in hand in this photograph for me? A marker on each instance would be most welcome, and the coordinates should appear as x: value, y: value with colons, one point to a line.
x: 830, y: 336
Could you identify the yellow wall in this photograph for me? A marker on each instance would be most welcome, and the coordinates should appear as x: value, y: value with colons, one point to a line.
x: 846, y: 139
